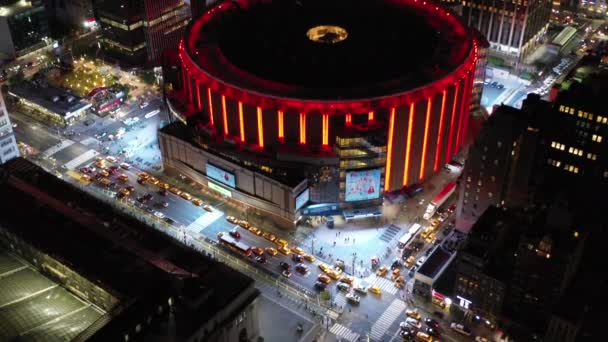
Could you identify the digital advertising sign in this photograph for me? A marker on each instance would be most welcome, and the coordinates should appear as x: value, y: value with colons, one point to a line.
x: 221, y: 175
x: 362, y: 185
x: 302, y: 198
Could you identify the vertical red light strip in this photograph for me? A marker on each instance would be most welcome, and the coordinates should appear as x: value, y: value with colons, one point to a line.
x: 389, y: 150
x: 281, y: 126
x: 302, y: 128
x: 241, y: 122
x: 349, y: 119
x: 468, y: 112
x: 260, y: 129
x: 184, y: 77
x: 198, y: 96
x: 190, y: 97
x: 225, y: 115
x: 408, y: 144
x: 325, y: 138
x: 465, y: 82
x: 440, y: 132
x: 429, y: 106
x: 370, y: 116
x: 455, y: 97
x: 210, y: 107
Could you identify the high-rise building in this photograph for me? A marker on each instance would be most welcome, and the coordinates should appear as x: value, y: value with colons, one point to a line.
x: 511, y: 27
x: 23, y: 27
x: 8, y: 144
x: 137, y: 32
x: 498, y: 167
x: 75, y: 13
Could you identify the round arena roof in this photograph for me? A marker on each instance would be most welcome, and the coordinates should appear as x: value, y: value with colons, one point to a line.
x: 327, y: 50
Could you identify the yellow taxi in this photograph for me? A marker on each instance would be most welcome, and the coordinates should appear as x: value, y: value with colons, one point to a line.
x: 257, y: 251
x: 399, y: 282
x: 185, y: 196
x: 143, y: 175
x: 104, y: 173
x: 197, y: 202
x: 434, y: 223
x: 431, y: 238
x: 175, y: 191
x: 244, y: 224
x: 269, y: 236
x: 337, y: 270
x: 123, y: 192
x: 123, y: 178
x: 281, y: 242
x: 232, y: 219
x: 324, y: 279
x: 284, y: 249
x: 85, y: 178
x: 254, y: 230
x: 100, y: 163
x: 297, y: 250
x: 423, y: 337
x: 324, y: 267
x: 375, y: 290
x: 426, y: 232
x: 382, y: 271
x: 413, y: 314
x: 347, y: 279
x: 410, y: 261
x: 309, y: 258
x: 271, y: 251
x: 396, y: 273
x: 333, y: 274
x: 153, y: 181
x: 162, y: 185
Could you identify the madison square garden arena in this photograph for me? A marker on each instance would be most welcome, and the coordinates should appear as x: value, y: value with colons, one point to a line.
x: 299, y: 108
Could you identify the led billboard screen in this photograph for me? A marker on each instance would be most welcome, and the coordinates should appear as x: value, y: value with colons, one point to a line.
x: 302, y: 198
x: 362, y: 185
x: 221, y: 175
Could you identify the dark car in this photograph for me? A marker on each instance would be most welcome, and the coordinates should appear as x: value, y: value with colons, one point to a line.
x: 284, y: 265
x: 261, y: 259
x: 431, y: 323
x: 148, y: 197
x: 163, y: 192
x: 432, y: 332
x: 131, y: 188
x: 396, y: 264
x: 320, y: 285
x: 296, y: 258
x: 235, y: 233
x: 412, y: 272
x: 301, y: 268
x: 169, y: 220
x: 141, y: 181
x: 438, y: 314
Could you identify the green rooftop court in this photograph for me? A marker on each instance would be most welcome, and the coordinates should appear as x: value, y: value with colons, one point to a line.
x: 34, y: 308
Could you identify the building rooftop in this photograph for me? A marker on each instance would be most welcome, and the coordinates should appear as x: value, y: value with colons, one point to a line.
x: 14, y: 7
x: 318, y: 49
x: 137, y: 264
x: 56, y: 100
x: 35, y: 308
x: 437, y: 261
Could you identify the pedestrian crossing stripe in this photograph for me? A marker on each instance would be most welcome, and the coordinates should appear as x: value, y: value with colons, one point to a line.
x: 340, y: 299
x: 386, y: 285
x: 344, y: 332
x: 387, y: 319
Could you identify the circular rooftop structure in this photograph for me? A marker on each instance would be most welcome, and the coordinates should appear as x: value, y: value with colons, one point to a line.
x: 328, y: 50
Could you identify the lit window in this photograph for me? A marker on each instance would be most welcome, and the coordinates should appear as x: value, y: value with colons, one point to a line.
x: 599, y: 118
x: 558, y: 163
x: 580, y: 153
x: 553, y: 144
x: 490, y: 195
x: 572, y: 111
x: 590, y: 116
x: 604, y: 120
x: 561, y: 108
x: 570, y: 150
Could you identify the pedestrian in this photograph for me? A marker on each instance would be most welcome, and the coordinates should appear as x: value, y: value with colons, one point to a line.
x: 334, y: 243
x: 353, y: 241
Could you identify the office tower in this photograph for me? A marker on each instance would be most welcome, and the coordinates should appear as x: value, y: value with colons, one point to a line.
x: 8, y: 144
x: 23, y: 27
x: 137, y: 32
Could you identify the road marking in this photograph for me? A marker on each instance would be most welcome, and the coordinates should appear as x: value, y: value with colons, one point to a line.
x: 204, y: 221
x: 340, y: 299
x: 387, y: 318
x: 54, y: 149
x: 81, y: 159
x: 344, y: 332
x: 385, y: 284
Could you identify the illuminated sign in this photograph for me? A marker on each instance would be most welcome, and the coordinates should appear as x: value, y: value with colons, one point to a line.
x: 221, y: 175
x: 302, y: 198
x: 362, y: 185
x: 463, y: 302
x: 219, y: 189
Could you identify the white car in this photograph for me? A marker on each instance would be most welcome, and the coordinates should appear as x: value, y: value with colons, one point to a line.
x: 361, y: 288
x: 159, y: 214
x: 353, y: 298
x: 459, y: 328
x: 411, y: 322
x: 420, y: 261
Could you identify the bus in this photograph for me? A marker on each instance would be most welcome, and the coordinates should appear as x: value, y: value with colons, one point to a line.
x: 233, y: 244
x: 407, y: 237
x: 438, y: 201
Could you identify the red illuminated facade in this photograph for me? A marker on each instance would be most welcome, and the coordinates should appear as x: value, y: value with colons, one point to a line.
x: 425, y: 123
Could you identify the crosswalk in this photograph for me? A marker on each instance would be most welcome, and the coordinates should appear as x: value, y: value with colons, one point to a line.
x: 340, y: 299
x: 387, y: 318
x: 343, y: 332
x: 385, y: 284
